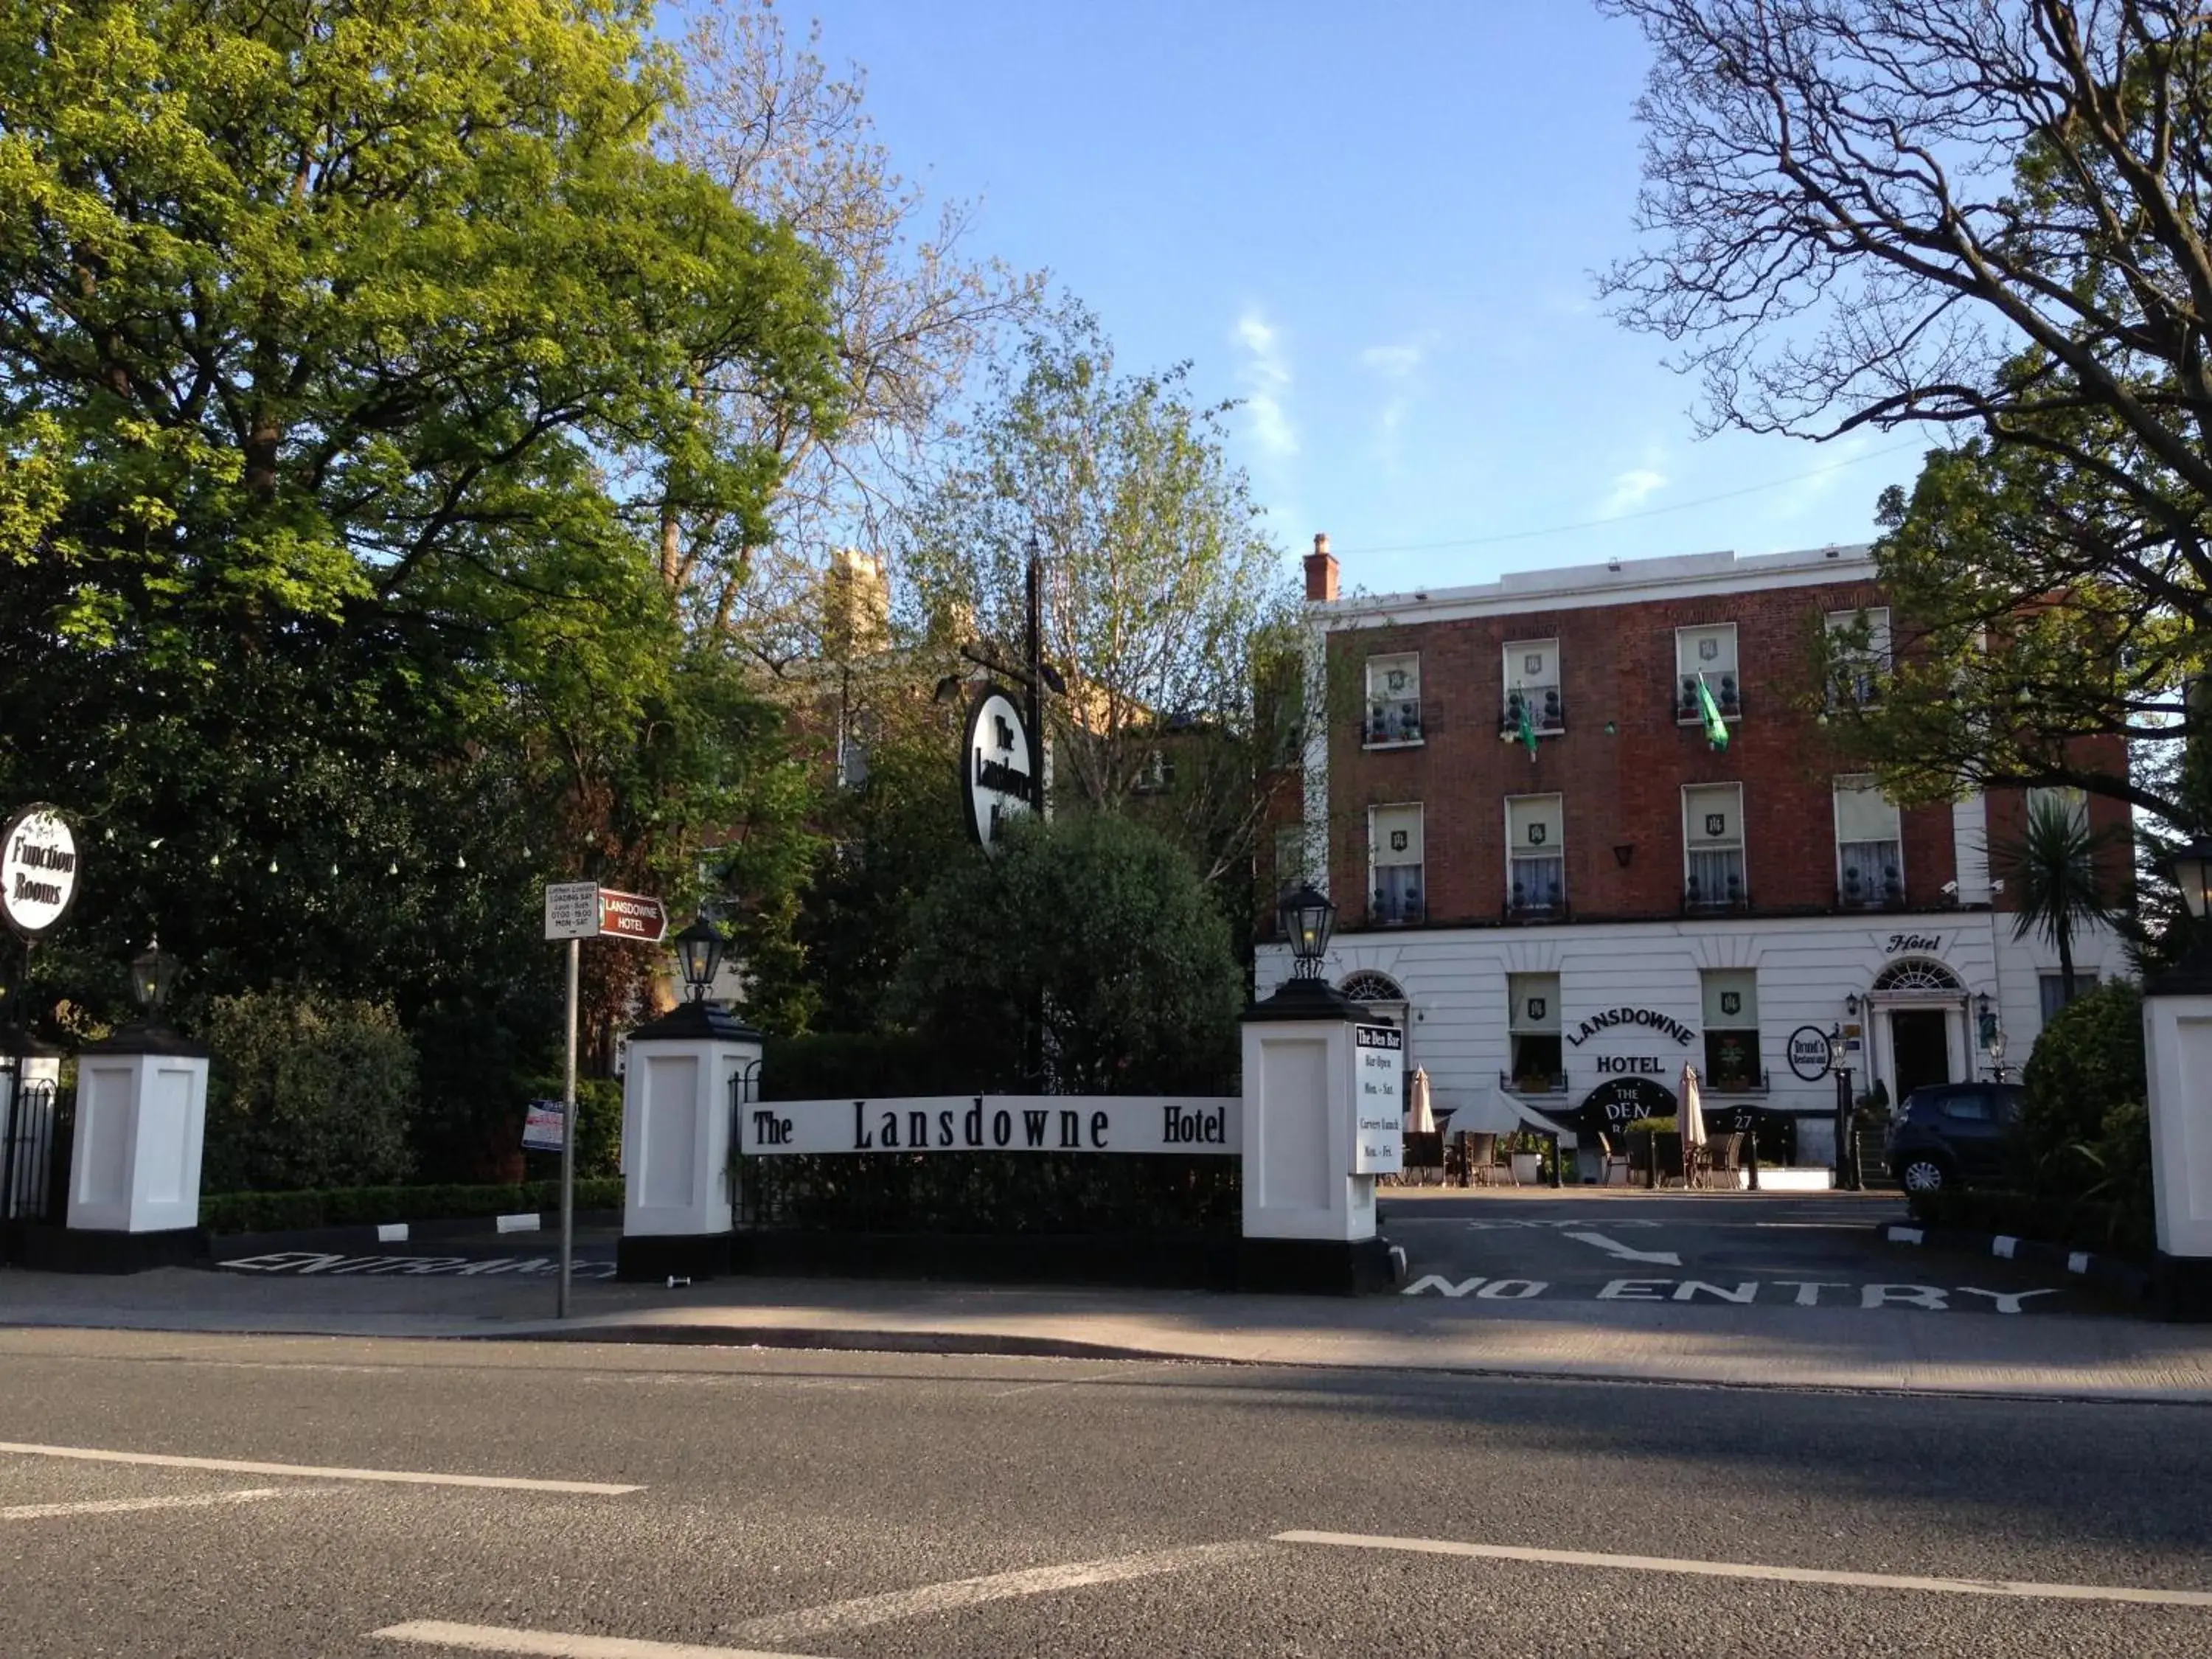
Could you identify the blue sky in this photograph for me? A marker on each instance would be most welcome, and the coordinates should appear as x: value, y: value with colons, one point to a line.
x: 1377, y: 227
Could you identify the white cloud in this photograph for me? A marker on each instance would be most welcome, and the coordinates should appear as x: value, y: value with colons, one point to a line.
x: 1630, y: 490
x: 1266, y: 380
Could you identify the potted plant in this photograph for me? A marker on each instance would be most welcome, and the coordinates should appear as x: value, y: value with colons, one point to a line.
x: 1527, y: 1149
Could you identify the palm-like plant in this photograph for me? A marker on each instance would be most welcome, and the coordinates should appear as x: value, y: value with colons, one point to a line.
x: 2052, y: 870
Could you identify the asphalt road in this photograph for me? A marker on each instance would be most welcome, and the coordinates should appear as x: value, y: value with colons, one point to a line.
x: 858, y: 1506
x: 1490, y: 1252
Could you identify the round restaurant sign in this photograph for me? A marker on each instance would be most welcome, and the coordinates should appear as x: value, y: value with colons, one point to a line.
x: 37, y: 870
x: 1809, y: 1052
x: 995, y: 765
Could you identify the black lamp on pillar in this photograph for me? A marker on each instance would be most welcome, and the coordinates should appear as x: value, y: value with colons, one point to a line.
x: 1847, y: 1171
x: 1308, y: 919
x: 698, y: 954
x: 2191, y: 866
x: 153, y: 975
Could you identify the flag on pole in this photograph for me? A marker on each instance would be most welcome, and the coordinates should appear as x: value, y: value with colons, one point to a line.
x: 1716, y: 732
x: 1524, y: 728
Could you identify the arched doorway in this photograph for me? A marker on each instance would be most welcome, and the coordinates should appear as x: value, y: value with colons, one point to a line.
x: 1918, y: 1009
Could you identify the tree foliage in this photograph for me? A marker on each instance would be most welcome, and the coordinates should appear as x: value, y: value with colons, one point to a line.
x: 1161, y: 589
x: 2052, y: 869
x: 1987, y: 216
x: 1097, y: 925
x: 307, y: 1090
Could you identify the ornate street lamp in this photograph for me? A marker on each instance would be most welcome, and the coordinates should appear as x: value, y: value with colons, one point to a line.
x: 2192, y: 873
x: 153, y: 973
x: 1847, y: 1165
x: 1308, y: 918
x: 698, y: 954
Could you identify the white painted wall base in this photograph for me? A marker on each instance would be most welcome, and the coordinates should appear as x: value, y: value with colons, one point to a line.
x: 2177, y: 1040
x: 676, y: 1101
x: 135, y: 1159
x: 1298, y: 1134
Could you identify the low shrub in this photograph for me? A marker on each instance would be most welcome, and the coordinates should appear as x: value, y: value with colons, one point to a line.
x: 2087, y: 1060
x: 307, y: 1090
x: 345, y: 1206
x: 598, y: 1126
x: 2084, y: 1222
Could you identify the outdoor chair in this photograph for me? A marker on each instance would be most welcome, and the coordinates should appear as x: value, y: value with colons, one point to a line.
x: 1719, y: 1161
x: 1481, y: 1157
x: 1614, y: 1167
x: 1423, y: 1153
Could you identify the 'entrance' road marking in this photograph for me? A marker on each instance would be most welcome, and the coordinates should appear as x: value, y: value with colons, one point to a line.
x: 306, y: 1471
x: 864, y: 1611
x: 1613, y: 1247
x: 125, y: 1505
x: 557, y: 1644
x: 2024, y: 1587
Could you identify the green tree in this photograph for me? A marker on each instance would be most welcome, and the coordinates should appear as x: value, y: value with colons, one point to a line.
x: 1161, y: 588
x: 1097, y: 926
x: 2053, y: 875
x: 343, y: 359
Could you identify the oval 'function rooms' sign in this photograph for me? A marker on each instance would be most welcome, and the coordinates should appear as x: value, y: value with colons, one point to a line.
x: 37, y: 870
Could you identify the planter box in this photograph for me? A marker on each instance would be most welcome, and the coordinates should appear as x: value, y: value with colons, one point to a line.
x: 1528, y: 1168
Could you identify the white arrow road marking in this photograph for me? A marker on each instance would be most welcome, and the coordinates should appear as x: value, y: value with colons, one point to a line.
x: 866, y: 1610
x: 1613, y: 1247
x: 130, y: 1506
x: 556, y: 1644
x: 2027, y: 1588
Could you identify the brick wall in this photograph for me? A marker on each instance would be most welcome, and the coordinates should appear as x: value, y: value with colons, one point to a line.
x: 1621, y: 765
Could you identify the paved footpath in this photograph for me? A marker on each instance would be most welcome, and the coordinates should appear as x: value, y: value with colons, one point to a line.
x: 1732, y: 1310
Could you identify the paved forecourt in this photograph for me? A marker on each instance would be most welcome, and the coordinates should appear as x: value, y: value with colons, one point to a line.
x: 1490, y: 1251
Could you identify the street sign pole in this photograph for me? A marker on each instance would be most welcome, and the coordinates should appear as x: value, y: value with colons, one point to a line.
x: 568, y: 1138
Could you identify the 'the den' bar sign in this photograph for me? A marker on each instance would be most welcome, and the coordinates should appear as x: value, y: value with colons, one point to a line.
x: 994, y: 1123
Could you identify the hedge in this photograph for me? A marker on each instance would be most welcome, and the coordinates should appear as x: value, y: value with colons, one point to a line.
x: 345, y: 1206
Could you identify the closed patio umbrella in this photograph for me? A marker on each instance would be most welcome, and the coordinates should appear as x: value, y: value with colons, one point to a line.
x: 1691, y: 1114
x: 1419, y: 1118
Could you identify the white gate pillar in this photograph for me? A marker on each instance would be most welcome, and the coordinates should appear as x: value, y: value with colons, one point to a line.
x: 689, y: 1072
x: 1308, y: 1184
x: 2178, y: 1047
x: 133, y: 1186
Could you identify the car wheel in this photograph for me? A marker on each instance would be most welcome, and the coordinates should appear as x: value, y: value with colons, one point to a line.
x: 1922, y: 1174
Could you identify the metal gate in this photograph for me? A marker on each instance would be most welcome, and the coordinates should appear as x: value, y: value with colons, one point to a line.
x: 31, y: 1128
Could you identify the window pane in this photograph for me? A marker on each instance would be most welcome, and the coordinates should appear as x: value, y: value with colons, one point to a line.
x: 1396, y: 835
x: 1863, y: 813
x: 1716, y: 877
x: 1731, y: 998
x: 1536, y: 883
x: 1398, y: 893
x: 1532, y: 1002
x: 1869, y: 872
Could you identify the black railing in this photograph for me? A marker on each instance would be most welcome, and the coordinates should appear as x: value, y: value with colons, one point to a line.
x: 1547, y: 714
x: 34, y: 1124
x: 1857, y: 895
x: 1738, y: 1086
x: 1516, y: 909
x: 1735, y: 901
x: 1727, y: 694
x: 1533, y: 1083
x: 1398, y: 720
x: 1402, y: 910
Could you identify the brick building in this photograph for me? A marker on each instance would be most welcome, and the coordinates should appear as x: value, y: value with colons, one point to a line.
x: 1544, y: 863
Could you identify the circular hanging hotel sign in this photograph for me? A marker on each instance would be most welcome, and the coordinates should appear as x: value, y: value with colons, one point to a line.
x: 37, y: 870
x: 997, y: 773
x: 1809, y: 1052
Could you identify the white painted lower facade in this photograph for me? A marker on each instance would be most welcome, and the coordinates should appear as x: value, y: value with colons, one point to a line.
x: 1454, y: 1006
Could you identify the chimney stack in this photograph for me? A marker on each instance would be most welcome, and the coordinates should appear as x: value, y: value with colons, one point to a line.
x: 1321, y: 573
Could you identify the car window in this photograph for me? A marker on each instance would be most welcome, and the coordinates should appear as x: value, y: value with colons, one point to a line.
x: 1967, y: 1103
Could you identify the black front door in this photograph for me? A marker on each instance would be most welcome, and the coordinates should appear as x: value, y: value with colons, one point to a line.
x: 1919, y: 1041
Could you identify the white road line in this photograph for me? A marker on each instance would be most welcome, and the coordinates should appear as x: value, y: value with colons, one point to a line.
x: 125, y: 1505
x: 311, y: 1472
x: 866, y: 1610
x: 1614, y: 1248
x: 2028, y: 1589
x: 557, y: 1644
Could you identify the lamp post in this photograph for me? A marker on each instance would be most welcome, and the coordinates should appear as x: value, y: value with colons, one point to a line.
x: 153, y: 975
x: 698, y: 956
x: 1847, y: 1167
x: 1308, y: 919
x: 1989, y: 1035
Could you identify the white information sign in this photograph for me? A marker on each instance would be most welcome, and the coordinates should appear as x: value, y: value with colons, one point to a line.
x: 1378, y: 1100
x: 572, y: 910
x: 37, y: 870
x: 542, y: 1128
x: 995, y: 1124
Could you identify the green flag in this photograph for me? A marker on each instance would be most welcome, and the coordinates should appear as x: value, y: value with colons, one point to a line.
x: 1716, y: 728
x: 1524, y: 730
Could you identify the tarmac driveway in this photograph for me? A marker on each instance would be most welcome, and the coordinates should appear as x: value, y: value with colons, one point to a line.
x: 1488, y: 1251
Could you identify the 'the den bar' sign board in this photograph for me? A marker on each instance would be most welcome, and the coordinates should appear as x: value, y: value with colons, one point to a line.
x: 994, y: 1123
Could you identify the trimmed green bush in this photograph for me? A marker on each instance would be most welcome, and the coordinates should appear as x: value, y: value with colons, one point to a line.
x: 598, y: 1126
x: 2087, y: 1060
x: 307, y: 1090
x: 347, y: 1206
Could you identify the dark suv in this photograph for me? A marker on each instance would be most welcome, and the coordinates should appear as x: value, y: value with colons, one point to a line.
x: 1953, y: 1134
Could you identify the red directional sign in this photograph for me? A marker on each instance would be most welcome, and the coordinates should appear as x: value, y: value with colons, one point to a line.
x: 632, y: 916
